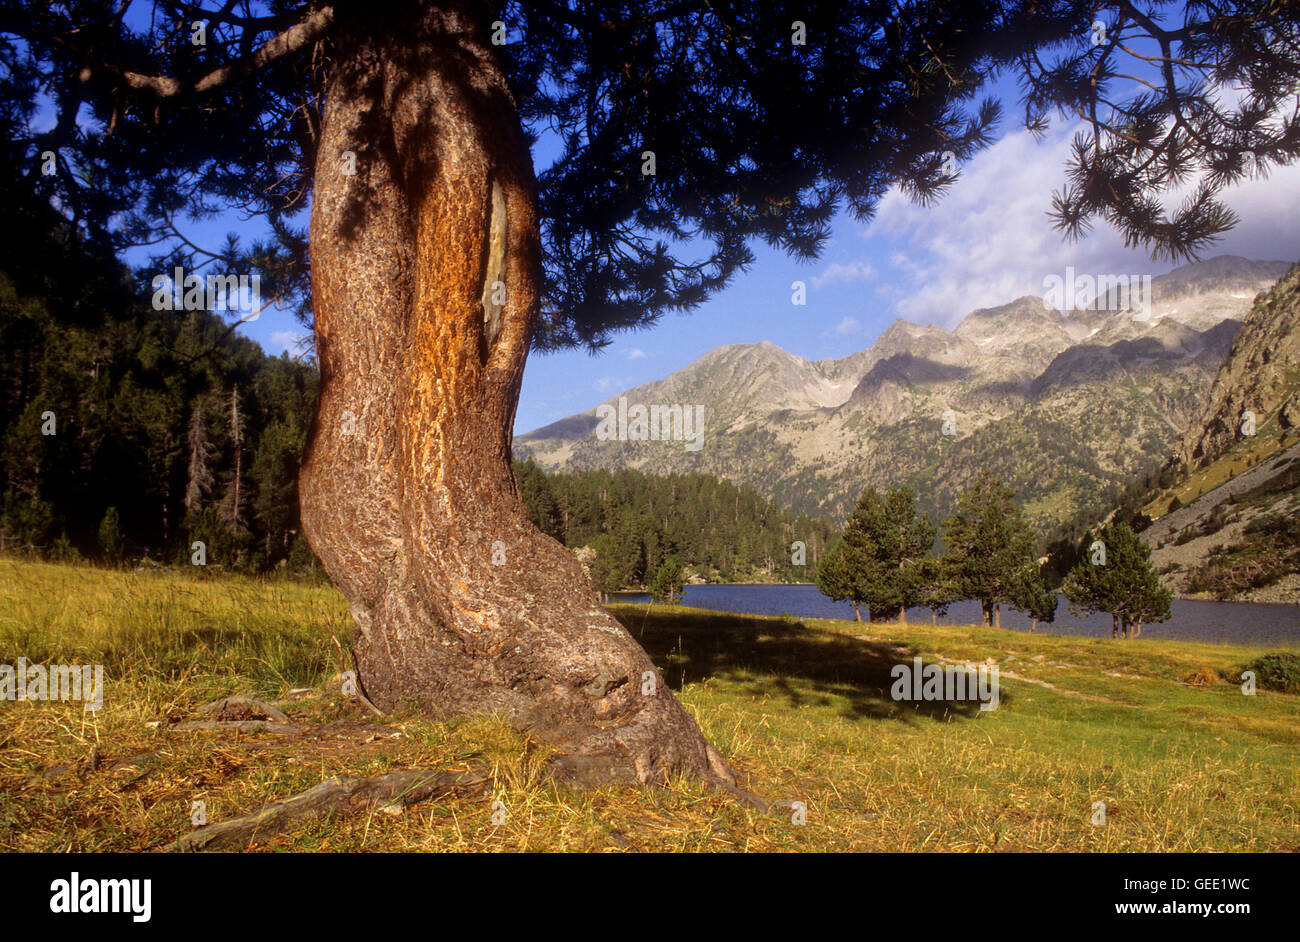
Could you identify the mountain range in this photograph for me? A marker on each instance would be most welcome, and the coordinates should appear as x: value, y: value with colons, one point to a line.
x: 1064, y: 404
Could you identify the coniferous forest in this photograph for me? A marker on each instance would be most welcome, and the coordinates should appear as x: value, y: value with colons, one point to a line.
x: 631, y: 522
x: 131, y: 434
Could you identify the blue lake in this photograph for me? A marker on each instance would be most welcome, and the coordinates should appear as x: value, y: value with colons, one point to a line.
x: 1254, y: 623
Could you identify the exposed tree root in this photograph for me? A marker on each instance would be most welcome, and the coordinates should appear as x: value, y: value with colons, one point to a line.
x: 339, y: 795
x: 241, y: 714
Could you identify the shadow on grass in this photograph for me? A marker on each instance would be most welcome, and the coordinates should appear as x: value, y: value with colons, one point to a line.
x: 785, y: 659
x: 264, y: 653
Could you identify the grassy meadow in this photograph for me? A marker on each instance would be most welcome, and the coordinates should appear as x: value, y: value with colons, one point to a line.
x: 1158, y: 730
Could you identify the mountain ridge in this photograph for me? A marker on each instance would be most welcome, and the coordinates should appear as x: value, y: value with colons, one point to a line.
x: 1111, y: 390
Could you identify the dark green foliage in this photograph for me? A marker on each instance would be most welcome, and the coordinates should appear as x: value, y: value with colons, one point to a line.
x: 64, y: 552
x: 883, y: 559
x: 989, y: 544
x: 882, y: 554
x: 543, y: 508
x: 1278, y: 671
x: 1286, y: 526
x: 939, y: 586
x: 1031, y: 595
x: 1118, y: 578
x: 607, y: 572
x: 758, y: 135
x: 109, y: 536
x: 1062, y: 554
x: 141, y: 402
x: 1139, y: 522
x: 635, y: 521
x: 833, y: 578
x: 666, y: 586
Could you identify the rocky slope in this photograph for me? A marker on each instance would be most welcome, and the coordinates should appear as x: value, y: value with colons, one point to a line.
x: 1227, y: 527
x: 1063, y: 404
x: 1261, y: 375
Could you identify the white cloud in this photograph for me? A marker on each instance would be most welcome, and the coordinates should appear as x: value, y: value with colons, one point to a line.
x: 849, y: 325
x: 606, y: 383
x: 288, y: 340
x: 841, y: 272
x: 636, y: 353
x: 989, y: 239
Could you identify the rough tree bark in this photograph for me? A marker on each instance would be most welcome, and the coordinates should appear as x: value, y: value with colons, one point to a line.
x: 462, y: 606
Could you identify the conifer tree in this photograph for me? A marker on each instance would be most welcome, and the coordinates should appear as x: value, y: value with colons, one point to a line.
x: 439, y: 256
x: 539, y: 498
x: 833, y: 579
x: 1032, y: 596
x: 881, y: 556
x: 989, y: 544
x: 608, y: 573
x: 666, y: 586
x: 199, y: 478
x: 232, y: 507
x: 1117, y: 577
x: 938, y: 587
x: 892, y: 543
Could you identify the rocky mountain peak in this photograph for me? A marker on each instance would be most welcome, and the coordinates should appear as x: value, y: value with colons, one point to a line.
x: 1261, y: 375
x: 1063, y: 405
x: 1027, y: 330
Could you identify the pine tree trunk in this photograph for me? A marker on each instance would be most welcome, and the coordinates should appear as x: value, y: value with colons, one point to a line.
x: 462, y: 606
x: 235, y: 496
x: 997, y: 616
x: 857, y: 615
x: 1114, y: 626
x: 987, y: 609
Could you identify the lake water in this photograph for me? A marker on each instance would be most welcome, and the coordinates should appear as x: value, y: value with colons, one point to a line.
x: 1218, y: 622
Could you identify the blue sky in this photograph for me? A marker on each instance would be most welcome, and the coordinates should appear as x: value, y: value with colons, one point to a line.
x: 987, y: 242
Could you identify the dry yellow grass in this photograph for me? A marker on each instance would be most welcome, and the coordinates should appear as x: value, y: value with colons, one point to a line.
x: 799, y: 705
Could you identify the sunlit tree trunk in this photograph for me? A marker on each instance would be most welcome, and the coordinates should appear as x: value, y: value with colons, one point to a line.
x: 425, y: 279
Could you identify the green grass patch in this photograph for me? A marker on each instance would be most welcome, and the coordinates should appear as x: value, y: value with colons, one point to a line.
x: 1159, y: 731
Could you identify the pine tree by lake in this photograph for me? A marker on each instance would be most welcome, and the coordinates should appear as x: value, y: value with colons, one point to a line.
x: 1192, y: 620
